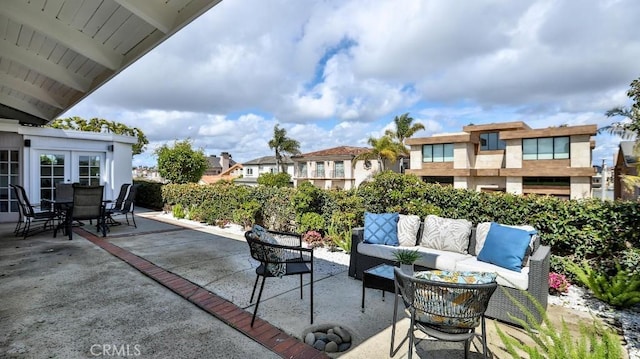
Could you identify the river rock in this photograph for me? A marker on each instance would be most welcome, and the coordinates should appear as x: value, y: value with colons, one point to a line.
x: 334, y: 338
x: 346, y: 337
x: 310, y: 339
x: 331, y: 347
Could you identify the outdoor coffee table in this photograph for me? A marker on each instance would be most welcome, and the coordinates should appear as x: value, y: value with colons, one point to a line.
x: 378, y: 277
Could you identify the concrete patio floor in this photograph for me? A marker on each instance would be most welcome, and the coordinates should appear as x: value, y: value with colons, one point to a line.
x: 74, y: 299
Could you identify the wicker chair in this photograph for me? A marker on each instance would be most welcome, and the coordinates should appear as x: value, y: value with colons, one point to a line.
x: 445, y: 311
x: 285, y: 256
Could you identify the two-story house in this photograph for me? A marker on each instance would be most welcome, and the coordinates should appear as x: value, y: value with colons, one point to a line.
x: 333, y: 168
x: 251, y: 170
x: 509, y: 157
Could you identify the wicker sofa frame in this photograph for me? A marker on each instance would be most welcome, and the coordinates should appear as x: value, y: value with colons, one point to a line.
x: 501, y: 307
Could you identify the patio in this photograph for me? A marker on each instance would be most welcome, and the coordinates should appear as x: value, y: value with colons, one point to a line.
x: 145, y: 291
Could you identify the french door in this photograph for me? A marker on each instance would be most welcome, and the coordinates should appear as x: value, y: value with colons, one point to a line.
x: 9, y: 174
x: 85, y: 168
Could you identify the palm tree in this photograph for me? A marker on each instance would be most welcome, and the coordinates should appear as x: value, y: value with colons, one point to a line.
x: 283, y: 145
x: 383, y: 148
x: 404, y: 129
x: 628, y: 127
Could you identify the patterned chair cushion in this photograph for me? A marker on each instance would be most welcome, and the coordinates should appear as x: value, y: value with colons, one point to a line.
x: 381, y: 228
x: 446, y: 234
x: 458, y: 302
x: 408, y: 227
x: 274, y: 254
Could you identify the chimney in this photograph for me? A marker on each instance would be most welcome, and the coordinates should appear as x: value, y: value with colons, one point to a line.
x: 224, y: 161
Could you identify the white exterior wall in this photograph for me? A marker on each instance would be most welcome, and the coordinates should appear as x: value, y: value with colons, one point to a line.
x: 514, y: 185
x: 115, y: 165
x: 580, y: 187
x: 580, y: 152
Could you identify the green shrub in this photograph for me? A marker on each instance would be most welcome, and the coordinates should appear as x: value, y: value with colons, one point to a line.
x: 178, y: 211
x: 594, y: 342
x: 246, y: 216
x: 281, y: 179
x: 621, y: 290
x: 311, y: 222
x: 149, y: 194
x: 339, y: 238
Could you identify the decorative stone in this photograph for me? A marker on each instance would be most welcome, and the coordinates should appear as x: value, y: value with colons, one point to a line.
x: 320, y: 336
x: 334, y: 338
x: 320, y: 345
x: 310, y: 339
x: 330, y: 331
x: 331, y: 347
x: 344, y: 346
x: 346, y: 337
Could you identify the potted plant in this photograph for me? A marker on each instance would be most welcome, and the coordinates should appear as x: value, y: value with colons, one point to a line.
x: 406, y: 258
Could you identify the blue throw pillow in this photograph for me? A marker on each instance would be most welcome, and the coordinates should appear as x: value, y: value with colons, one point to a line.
x: 505, y: 246
x: 381, y: 228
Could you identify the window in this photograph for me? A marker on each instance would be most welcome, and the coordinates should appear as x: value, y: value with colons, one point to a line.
x: 442, y: 152
x: 546, y: 181
x: 491, y: 141
x: 89, y: 170
x: 441, y: 180
x: 320, y: 169
x: 338, y: 169
x: 9, y: 173
x: 249, y: 171
x: 302, y: 170
x: 547, y: 148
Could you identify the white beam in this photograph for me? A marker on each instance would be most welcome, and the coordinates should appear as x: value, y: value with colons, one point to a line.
x: 152, y: 12
x: 29, y: 89
x: 61, y: 33
x: 22, y: 105
x: 42, y: 66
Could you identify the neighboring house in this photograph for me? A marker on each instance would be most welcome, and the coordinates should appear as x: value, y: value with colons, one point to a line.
x: 333, y: 168
x: 218, y: 165
x: 54, y: 54
x: 39, y: 157
x: 251, y: 170
x: 230, y: 174
x: 147, y: 173
x: 509, y: 157
x: 625, y: 164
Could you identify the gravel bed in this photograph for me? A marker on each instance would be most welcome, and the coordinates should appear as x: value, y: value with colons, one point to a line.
x: 627, y: 320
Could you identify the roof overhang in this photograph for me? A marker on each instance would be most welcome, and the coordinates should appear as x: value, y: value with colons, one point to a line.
x: 55, y: 53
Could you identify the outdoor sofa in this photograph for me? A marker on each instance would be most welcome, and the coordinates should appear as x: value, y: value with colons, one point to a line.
x: 456, y: 254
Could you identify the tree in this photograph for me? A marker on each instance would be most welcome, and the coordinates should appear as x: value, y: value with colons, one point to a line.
x: 283, y: 145
x: 628, y: 128
x: 181, y: 163
x: 404, y: 129
x: 383, y: 148
x: 281, y: 179
x: 103, y: 126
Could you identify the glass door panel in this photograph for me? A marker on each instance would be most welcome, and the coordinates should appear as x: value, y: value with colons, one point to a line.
x: 89, y: 169
x: 9, y: 174
x: 53, y: 169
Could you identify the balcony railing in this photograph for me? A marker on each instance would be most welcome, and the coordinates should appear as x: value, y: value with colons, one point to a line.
x: 321, y: 174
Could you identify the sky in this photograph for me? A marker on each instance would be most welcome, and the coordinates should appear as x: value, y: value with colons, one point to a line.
x: 336, y: 72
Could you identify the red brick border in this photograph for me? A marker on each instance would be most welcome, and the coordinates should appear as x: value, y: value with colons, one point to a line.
x: 262, y: 332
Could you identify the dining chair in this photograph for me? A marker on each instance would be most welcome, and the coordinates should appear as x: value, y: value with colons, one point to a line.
x: 87, y: 205
x: 123, y: 205
x: 279, y: 254
x: 31, y: 214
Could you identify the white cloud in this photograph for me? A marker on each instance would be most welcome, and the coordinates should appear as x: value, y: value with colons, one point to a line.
x: 336, y: 72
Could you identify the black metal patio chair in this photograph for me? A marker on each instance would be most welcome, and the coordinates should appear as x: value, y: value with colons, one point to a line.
x: 280, y: 254
x: 31, y: 214
x: 445, y: 311
x: 123, y: 205
x: 87, y: 205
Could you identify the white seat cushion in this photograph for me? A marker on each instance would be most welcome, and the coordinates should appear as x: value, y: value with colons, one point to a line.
x: 429, y: 257
x: 507, y: 278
